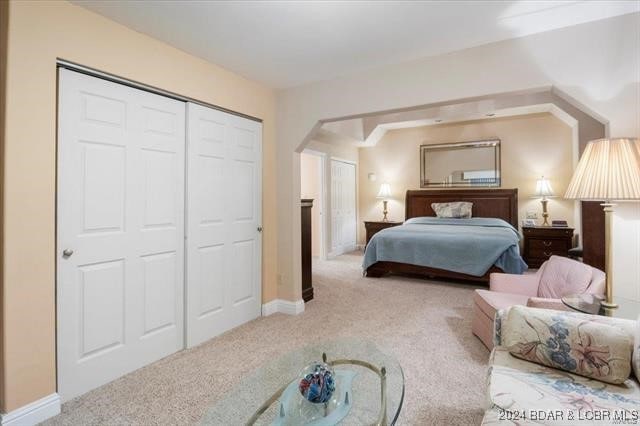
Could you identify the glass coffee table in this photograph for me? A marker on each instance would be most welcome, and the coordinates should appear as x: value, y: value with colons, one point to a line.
x: 590, y: 304
x: 369, y: 389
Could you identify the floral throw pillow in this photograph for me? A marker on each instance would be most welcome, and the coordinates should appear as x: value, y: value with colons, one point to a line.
x: 457, y: 209
x: 577, y: 345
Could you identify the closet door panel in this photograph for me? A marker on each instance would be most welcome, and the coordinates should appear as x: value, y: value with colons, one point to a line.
x: 158, y: 185
x: 224, y: 214
x: 208, y: 233
x: 120, y: 230
x: 246, y: 190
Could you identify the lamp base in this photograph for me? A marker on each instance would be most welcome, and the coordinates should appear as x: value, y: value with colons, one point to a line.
x: 384, y: 211
x: 545, y: 213
x: 608, y: 305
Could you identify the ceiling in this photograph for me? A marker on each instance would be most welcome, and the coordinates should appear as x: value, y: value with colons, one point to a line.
x: 290, y: 43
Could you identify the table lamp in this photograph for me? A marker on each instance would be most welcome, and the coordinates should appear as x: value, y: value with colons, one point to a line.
x: 384, y: 194
x: 609, y: 170
x: 544, y: 190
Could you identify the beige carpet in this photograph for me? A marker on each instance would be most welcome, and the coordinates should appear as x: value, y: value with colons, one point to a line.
x: 426, y: 325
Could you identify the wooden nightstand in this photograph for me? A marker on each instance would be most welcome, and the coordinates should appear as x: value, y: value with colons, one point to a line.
x: 376, y: 226
x: 541, y: 242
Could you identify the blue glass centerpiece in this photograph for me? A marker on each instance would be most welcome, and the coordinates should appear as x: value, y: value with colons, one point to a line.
x: 317, y: 382
x: 295, y: 409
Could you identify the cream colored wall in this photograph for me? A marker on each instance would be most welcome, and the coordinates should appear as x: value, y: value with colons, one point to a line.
x: 531, y: 146
x: 40, y: 32
x: 311, y: 187
x: 337, y: 151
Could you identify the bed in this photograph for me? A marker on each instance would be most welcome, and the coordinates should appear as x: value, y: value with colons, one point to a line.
x: 450, y: 246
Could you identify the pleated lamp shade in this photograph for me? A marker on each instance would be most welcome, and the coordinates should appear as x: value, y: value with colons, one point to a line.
x: 609, y: 170
x: 543, y: 188
x: 385, y: 191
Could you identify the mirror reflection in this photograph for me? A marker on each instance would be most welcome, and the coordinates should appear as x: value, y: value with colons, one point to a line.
x: 461, y: 164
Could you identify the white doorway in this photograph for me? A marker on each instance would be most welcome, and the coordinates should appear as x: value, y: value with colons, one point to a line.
x: 312, y: 185
x: 343, y: 207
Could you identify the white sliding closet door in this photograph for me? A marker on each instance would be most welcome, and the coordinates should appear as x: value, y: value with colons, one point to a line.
x: 224, y: 202
x: 343, y: 207
x: 120, y: 230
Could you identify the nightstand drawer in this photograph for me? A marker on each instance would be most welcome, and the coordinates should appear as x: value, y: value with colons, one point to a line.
x: 542, y: 242
x: 546, y: 253
x: 547, y: 245
x: 547, y: 231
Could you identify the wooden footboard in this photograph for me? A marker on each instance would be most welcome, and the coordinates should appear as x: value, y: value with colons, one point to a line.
x: 380, y: 269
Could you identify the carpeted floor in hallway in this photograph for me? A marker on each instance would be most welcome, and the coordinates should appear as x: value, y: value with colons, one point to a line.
x: 425, y: 324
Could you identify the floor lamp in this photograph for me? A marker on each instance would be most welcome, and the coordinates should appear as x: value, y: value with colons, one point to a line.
x: 609, y: 170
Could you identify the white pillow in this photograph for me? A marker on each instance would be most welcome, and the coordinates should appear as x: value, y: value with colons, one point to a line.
x: 456, y: 209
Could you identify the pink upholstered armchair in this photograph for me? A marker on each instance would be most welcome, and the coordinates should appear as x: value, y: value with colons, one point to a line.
x: 557, y: 277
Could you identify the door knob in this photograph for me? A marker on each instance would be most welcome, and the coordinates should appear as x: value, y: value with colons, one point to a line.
x: 67, y: 252
x: 259, y: 228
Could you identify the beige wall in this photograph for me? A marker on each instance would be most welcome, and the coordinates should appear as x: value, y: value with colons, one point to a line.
x: 311, y: 187
x: 337, y: 151
x: 40, y: 32
x: 531, y: 146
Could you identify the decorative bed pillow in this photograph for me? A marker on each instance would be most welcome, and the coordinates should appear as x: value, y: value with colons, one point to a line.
x: 457, y: 209
x: 577, y: 345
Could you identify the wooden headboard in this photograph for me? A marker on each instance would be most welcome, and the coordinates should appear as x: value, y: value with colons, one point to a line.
x: 500, y: 203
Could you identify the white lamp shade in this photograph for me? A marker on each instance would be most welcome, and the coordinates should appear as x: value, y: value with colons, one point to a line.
x: 543, y: 188
x: 385, y: 191
x: 609, y: 170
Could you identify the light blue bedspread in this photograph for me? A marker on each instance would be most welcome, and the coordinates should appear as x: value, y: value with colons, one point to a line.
x: 469, y: 246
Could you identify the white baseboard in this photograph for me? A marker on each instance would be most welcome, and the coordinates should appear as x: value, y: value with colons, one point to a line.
x: 344, y: 250
x: 283, y: 306
x: 33, y: 413
x: 349, y: 249
x: 270, y: 308
x: 291, y: 308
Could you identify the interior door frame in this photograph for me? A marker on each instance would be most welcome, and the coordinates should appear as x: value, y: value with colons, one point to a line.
x: 331, y: 254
